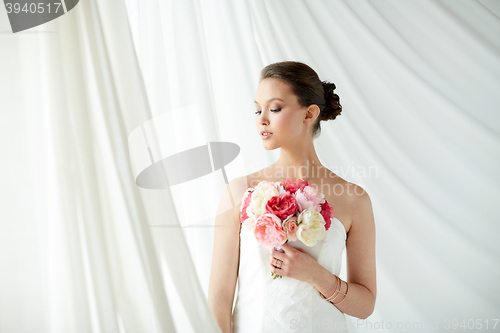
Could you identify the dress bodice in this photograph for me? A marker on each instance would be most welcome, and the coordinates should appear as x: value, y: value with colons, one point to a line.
x: 286, y: 304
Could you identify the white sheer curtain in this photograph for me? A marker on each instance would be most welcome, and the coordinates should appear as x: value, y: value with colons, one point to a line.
x: 76, y: 249
x: 418, y: 82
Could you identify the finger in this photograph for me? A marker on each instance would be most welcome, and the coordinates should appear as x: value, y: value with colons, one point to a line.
x: 276, y: 258
x: 278, y: 255
x: 285, y: 245
x: 274, y: 269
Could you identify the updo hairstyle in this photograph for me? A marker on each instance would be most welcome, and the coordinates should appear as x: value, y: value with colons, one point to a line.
x: 308, y: 88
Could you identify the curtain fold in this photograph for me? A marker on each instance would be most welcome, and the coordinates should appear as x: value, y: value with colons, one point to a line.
x: 419, y: 128
x: 97, y: 236
x: 81, y: 257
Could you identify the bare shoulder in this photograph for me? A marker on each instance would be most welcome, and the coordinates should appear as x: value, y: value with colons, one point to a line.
x: 351, y: 202
x: 237, y: 187
x: 356, y: 195
x: 361, y: 209
x: 233, y: 195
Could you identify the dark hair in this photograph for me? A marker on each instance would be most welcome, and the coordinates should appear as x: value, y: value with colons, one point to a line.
x: 309, y: 89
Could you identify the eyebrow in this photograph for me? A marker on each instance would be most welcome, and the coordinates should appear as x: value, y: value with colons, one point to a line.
x: 272, y: 99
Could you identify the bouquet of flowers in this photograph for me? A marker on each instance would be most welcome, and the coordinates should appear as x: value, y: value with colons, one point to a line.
x: 276, y: 212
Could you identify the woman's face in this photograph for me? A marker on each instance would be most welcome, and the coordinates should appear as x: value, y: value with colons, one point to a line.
x: 279, y: 113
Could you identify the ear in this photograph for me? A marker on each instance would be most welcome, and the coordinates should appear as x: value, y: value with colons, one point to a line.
x: 312, y: 113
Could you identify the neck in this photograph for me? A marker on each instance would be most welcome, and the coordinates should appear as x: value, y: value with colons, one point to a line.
x: 298, y: 163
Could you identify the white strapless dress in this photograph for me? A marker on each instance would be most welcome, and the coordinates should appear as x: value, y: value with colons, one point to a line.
x: 264, y: 305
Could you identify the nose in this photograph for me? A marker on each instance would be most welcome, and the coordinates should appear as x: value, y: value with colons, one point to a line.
x: 263, y: 119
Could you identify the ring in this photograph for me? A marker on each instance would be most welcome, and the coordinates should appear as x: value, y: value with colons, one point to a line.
x: 276, y: 262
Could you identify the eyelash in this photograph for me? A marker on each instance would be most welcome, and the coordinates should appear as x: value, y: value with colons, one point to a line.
x: 273, y: 110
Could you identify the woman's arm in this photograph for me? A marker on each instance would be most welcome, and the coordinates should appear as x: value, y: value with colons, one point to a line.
x: 361, y: 271
x: 225, y: 258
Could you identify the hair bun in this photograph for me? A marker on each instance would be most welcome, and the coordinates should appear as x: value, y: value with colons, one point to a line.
x: 333, y: 107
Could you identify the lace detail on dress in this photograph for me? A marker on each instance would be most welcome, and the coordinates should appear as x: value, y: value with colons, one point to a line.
x: 293, y: 307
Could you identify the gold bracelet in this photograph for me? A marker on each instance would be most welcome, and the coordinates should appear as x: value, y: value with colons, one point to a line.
x: 337, y: 290
x: 335, y: 293
x: 345, y: 295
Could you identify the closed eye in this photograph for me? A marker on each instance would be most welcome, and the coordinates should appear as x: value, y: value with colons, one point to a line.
x: 272, y: 110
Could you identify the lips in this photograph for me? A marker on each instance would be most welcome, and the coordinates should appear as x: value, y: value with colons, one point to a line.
x: 265, y: 135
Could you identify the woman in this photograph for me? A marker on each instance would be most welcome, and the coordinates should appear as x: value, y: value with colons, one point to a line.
x: 290, y: 103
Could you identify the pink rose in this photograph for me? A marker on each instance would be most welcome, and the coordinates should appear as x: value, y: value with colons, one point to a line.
x: 294, y: 186
x: 289, y: 186
x: 268, y: 231
x: 290, y: 227
x: 247, y: 198
x: 250, y: 223
x: 282, y: 206
x: 309, y: 197
x: 301, y: 184
x: 327, y: 212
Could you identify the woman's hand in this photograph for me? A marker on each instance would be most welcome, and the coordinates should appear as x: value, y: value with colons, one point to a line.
x: 297, y: 263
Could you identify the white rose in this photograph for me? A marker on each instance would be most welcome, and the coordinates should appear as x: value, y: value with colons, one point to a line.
x: 260, y: 196
x: 311, y: 227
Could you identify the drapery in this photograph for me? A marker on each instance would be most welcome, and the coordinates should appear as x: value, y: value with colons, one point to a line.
x: 418, y: 82
x: 84, y: 113
x: 77, y: 251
